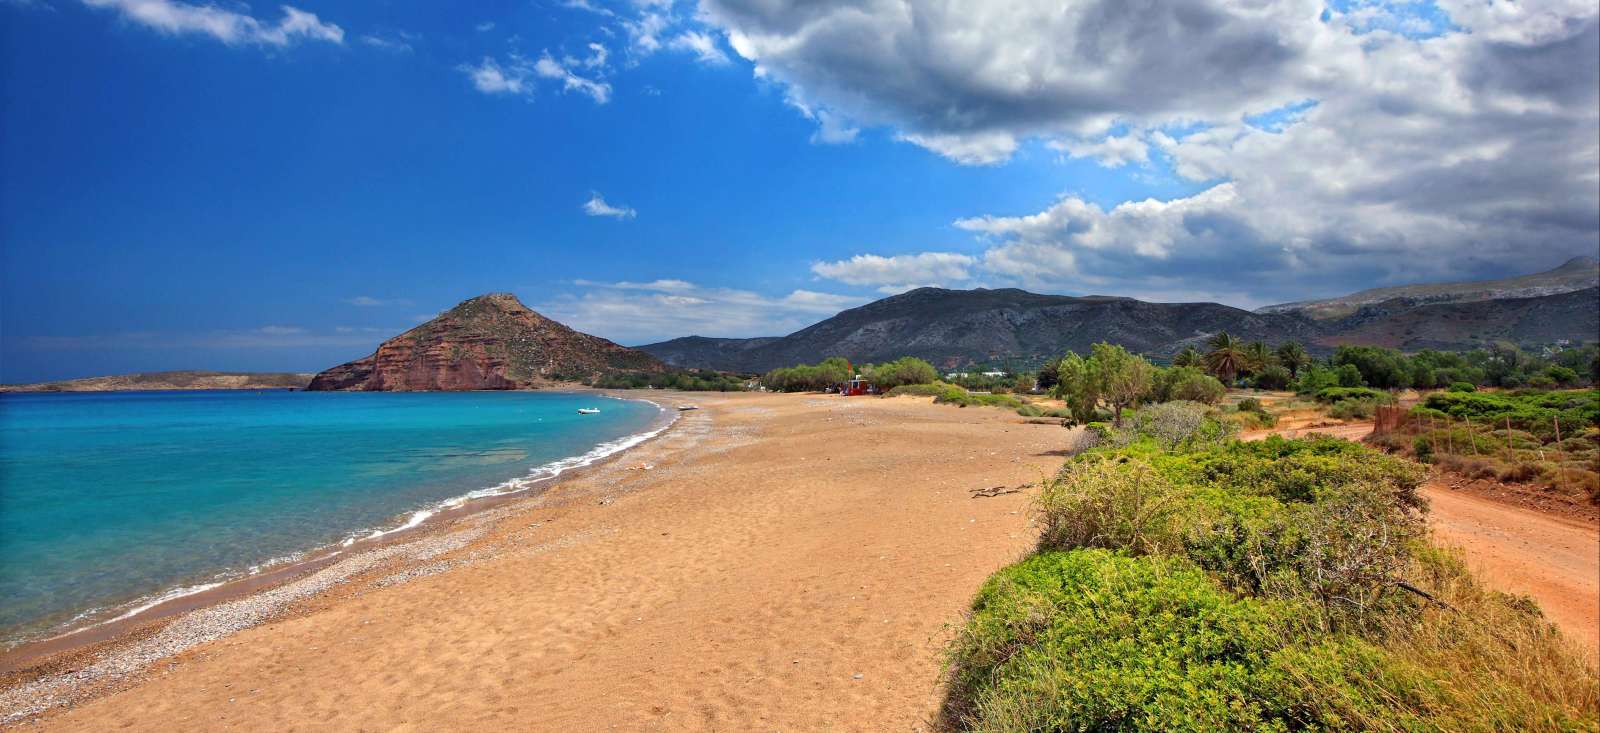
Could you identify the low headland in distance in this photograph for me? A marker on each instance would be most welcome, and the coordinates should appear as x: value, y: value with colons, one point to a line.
x: 971, y: 510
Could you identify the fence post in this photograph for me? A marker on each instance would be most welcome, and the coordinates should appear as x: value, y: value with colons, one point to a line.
x: 1449, y: 434
x: 1561, y: 453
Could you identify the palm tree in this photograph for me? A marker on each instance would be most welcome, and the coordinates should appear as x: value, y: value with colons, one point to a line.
x: 1226, y: 358
x: 1189, y: 357
x: 1257, y: 357
x: 1292, y: 355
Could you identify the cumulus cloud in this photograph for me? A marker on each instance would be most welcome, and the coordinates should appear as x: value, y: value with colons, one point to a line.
x: 1330, y: 148
x: 228, y: 26
x: 597, y: 206
x: 634, y: 312
x: 899, y: 273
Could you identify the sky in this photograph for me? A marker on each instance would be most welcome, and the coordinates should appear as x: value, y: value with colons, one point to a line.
x: 275, y: 187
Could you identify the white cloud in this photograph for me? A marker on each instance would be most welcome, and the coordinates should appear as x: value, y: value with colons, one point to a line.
x: 900, y: 272
x: 1110, y: 151
x: 368, y: 301
x: 588, y: 6
x: 634, y: 313
x: 1379, y: 145
x: 597, y: 206
x: 702, y: 45
x: 987, y: 148
x: 549, y: 68
x: 485, y: 26
x: 399, y: 42
x: 227, y: 26
x: 490, y: 77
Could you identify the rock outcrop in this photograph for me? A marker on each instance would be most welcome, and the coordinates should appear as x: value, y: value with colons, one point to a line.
x: 489, y: 342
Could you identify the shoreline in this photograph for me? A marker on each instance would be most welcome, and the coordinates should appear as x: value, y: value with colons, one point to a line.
x: 146, y: 611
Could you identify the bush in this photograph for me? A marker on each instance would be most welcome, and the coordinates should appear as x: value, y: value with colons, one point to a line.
x: 1334, y: 395
x: 1090, y: 640
x: 900, y: 372
x: 1191, y: 585
x: 1108, y: 502
x: 1273, y: 377
x: 1187, y: 383
x: 1461, y: 387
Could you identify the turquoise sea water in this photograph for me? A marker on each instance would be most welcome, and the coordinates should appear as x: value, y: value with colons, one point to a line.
x: 107, y: 499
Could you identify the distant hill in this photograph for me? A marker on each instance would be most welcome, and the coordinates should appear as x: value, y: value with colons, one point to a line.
x: 1402, y: 324
x: 951, y: 328
x: 691, y: 351
x: 179, y: 380
x: 1579, y: 273
x: 488, y: 342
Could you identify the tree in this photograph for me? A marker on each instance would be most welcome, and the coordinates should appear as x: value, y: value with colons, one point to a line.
x: 1120, y: 378
x: 1293, y: 357
x: 1273, y: 377
x: 1189, y: 357
x: 1381, y: 368
x: 1076, y: 387
x: 1049, y: 376
x: 1257, y: 356
x: 903, y: 371
x: 1226, y: 358
x: 1501, y: 361
x: 1349, y: 376
x: 1186, y: 383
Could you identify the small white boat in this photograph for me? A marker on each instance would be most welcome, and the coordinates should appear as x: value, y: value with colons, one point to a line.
x: 686, y: 408
x: 588, y: 411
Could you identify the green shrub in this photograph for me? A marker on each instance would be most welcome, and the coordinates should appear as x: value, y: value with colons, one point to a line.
x: 1250, y: 404
x: 900, y: 372
x: 1461, y: 387
x: 1187, y: 383
x: 1030, y: 411
x: 1333, y: 395
x: 1094, y: 641
x: 1107, y: 501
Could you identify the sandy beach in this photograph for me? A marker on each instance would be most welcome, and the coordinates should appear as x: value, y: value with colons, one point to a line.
x: 771, y: 562
x: 790, y: 562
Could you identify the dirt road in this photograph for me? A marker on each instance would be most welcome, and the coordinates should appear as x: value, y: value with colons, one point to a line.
x: 1554, y: 559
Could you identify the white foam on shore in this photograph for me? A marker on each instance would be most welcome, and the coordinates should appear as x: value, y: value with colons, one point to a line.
x: 538, y: 475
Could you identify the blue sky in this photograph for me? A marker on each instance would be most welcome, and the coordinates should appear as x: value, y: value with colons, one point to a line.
x: 251, y: 187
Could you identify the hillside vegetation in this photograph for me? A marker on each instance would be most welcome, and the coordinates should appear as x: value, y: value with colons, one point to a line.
x: 1187, y: 581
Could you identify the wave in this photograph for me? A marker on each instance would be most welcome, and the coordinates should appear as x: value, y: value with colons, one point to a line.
x: 541, y: 474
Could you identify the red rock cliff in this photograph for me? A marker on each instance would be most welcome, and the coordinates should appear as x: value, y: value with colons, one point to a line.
x: 489, y: 342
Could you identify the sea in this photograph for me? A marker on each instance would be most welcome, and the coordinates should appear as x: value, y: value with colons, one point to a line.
x: 111, y: 502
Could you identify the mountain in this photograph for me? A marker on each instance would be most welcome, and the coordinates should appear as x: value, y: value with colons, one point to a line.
x: 1578, y: 273
x: 690, y: 351
x: 1401, y: 323
x: 488, y: 342
x: 951, y: 328
x: 954, y: 328
x: 164, y: 381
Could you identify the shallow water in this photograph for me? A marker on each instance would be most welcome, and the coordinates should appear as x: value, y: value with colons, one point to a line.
x: 110, y: 498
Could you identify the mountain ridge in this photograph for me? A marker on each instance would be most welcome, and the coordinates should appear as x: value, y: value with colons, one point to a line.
x: 954, y: 328
x: 1577, y: 273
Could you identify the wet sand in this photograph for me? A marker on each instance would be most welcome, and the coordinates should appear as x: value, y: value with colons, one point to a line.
x: 771, y: 562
